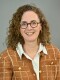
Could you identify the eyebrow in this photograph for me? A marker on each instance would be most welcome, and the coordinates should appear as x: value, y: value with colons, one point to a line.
x: 30, y: 21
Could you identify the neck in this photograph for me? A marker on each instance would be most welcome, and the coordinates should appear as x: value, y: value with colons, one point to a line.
x: 31, y: 44
x: 31, y: 48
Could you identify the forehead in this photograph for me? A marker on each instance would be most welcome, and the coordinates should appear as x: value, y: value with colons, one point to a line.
x: 29, y: 15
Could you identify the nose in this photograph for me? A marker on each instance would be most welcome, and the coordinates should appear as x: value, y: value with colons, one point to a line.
x: 29, y: 26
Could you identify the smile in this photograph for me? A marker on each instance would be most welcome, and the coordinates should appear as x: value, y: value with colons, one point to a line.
x: 30, y: 33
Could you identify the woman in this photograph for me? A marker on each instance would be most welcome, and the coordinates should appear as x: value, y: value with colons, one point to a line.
x: 29, y: 54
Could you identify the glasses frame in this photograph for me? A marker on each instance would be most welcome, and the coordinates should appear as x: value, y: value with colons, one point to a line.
x: 29, y: 24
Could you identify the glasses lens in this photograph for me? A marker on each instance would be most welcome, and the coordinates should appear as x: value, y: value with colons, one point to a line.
x: 23, y: 25
x: 33, y: 24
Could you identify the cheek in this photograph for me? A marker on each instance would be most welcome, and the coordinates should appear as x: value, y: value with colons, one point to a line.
x: 39, y: 29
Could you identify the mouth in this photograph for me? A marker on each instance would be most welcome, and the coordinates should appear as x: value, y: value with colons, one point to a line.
x: 29, y: 33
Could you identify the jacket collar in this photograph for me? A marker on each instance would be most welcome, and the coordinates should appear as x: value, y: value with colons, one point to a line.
x: 20, y: 50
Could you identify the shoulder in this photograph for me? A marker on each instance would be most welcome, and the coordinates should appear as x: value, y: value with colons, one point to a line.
x: 51, y: 47
x: 53, y: 51
x: 5, y: 54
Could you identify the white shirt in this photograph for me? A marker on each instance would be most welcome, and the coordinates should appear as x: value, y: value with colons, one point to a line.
x: 35, y: 61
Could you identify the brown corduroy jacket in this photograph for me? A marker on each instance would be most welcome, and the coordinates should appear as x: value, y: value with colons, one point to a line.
x: 12, y: 67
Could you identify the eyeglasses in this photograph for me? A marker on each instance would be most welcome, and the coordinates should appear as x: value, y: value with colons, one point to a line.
x: 33, y: 24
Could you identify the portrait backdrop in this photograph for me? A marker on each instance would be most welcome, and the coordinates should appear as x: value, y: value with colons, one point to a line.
x: 50, y: 8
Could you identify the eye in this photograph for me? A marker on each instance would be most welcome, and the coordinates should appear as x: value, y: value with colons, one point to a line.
x: 33, y: 22
x: 23, y: 23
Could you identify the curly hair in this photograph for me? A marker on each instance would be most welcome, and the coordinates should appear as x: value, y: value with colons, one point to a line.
x: 14, y: 35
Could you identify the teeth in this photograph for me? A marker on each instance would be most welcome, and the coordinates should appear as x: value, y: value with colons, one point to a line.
x: 29, y: 33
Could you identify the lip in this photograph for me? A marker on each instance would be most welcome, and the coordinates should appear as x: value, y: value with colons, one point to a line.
x: 29, y: 33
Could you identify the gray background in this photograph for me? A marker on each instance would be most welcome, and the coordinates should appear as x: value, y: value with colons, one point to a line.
x: 51, y: 9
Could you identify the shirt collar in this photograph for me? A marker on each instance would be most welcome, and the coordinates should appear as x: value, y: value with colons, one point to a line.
x: 20, y: 50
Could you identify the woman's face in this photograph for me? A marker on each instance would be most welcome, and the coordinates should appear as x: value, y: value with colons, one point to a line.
x: 30, y: 34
